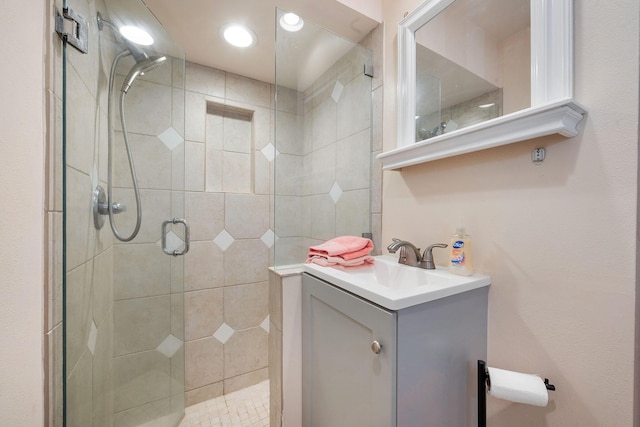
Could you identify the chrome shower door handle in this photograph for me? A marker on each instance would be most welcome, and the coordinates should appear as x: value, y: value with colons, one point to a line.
x: 175, y: 252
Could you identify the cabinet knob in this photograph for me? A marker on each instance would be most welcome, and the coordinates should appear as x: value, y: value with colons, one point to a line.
x: 376, y: 347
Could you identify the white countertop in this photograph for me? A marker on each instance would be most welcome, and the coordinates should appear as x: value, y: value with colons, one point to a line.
x: 396, y: 286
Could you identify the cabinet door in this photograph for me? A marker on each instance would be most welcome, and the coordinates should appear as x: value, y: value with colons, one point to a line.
x: 345, y: 383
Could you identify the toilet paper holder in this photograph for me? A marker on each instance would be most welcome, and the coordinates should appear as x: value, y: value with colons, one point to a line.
x: 484, y: 380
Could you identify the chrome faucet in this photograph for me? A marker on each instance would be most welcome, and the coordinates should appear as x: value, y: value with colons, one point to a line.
x: 403, y: 245
x: 422, y: 261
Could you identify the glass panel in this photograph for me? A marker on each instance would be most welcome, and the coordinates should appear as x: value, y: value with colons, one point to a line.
x: 322, y: 140
x: 479, y: 53
x: 123, y: 297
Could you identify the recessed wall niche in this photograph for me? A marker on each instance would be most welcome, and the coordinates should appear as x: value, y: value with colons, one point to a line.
x: 229, y: 147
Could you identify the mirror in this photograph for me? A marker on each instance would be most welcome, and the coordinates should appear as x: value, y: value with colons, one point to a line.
x: 472, y: 65
x: 475, y: 74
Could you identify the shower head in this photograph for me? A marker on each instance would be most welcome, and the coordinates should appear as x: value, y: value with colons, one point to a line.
x: 141, y: 67
x: 144, y: 62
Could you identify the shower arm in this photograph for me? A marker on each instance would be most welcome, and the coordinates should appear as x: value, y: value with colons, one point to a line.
x: 102, y: 22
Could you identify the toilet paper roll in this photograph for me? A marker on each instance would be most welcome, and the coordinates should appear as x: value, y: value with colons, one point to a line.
x: 518, y: 387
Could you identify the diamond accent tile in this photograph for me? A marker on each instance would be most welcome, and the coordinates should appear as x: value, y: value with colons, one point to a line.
x: 171, y: 138
x: 265, y: 324
x: 268, y: 238
x: 93, y: 336
x: 335, y: 193
x: 270, y: 152
x: 169, y: 346
x: 224, y: 240
x: 337, y: 91
x: 223, y: 333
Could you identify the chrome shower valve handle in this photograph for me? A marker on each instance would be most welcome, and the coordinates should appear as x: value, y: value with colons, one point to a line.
x: 101, y: 207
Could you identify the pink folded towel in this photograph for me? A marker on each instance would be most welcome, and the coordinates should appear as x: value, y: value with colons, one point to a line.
x: 331, y: 261
x: 347, y: 247
x: 346, y: 251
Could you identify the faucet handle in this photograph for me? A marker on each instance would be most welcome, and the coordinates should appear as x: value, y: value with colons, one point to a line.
x: 393, y: 243
x: 427, y: 257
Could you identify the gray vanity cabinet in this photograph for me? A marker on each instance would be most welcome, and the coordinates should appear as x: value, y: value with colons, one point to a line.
x: 424, y: 374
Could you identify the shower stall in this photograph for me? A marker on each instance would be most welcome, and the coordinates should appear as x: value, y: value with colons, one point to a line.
x: 260, y: 171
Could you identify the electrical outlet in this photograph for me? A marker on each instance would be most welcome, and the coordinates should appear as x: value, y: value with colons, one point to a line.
x: 537, y: 155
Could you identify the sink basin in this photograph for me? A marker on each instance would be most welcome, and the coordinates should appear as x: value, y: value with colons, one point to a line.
x: 397, y: 286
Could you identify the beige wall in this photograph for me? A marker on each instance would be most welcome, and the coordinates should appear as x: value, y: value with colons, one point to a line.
x: 558, y: 239
x: 22, y: 229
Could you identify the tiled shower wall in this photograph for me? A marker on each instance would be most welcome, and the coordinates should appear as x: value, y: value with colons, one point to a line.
x: 291, y: 251
x: 328, y: 180
x: 147, y: 284
x: 229, y: 156
x: 337, y: 151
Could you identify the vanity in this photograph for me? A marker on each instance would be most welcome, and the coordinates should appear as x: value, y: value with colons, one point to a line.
x: 391, y: 345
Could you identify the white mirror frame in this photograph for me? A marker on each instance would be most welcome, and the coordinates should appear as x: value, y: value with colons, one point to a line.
x: 553, y: 109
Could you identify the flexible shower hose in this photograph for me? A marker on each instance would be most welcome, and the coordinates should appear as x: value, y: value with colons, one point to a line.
x: 110, y: 149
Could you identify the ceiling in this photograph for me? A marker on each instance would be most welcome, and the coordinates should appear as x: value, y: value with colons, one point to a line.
x: 195, y: 26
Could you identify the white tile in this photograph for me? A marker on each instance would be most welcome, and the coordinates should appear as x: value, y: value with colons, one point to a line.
x: 171, y: 138
x: 335, y: 193
x: 224, y: 240
x: 337, y: 91
x: 223, y: 333
x: 268, y: 238
x: 270, y: 152
x: 169, y: 346
x: 265, y: 324
x: 93, y: 335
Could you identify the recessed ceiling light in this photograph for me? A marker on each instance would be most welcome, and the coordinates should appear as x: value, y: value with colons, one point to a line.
x: 136, y: 35
x: 291, y: 22
x: 238, y: 36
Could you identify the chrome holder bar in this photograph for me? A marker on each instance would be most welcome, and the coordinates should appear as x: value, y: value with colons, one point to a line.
x: 187, y: 237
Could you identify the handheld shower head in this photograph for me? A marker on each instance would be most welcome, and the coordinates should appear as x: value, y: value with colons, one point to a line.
x: 141, y: 67
x: 144, y: 62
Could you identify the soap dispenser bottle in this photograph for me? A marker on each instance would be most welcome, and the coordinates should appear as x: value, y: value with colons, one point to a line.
x: 460, y: 257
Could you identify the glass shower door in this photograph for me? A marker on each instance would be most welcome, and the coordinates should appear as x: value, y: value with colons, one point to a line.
x: 123, y: 109
x: 323, y: 140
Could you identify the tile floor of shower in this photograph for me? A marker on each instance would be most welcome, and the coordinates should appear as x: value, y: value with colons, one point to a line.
x: 248, y: 407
